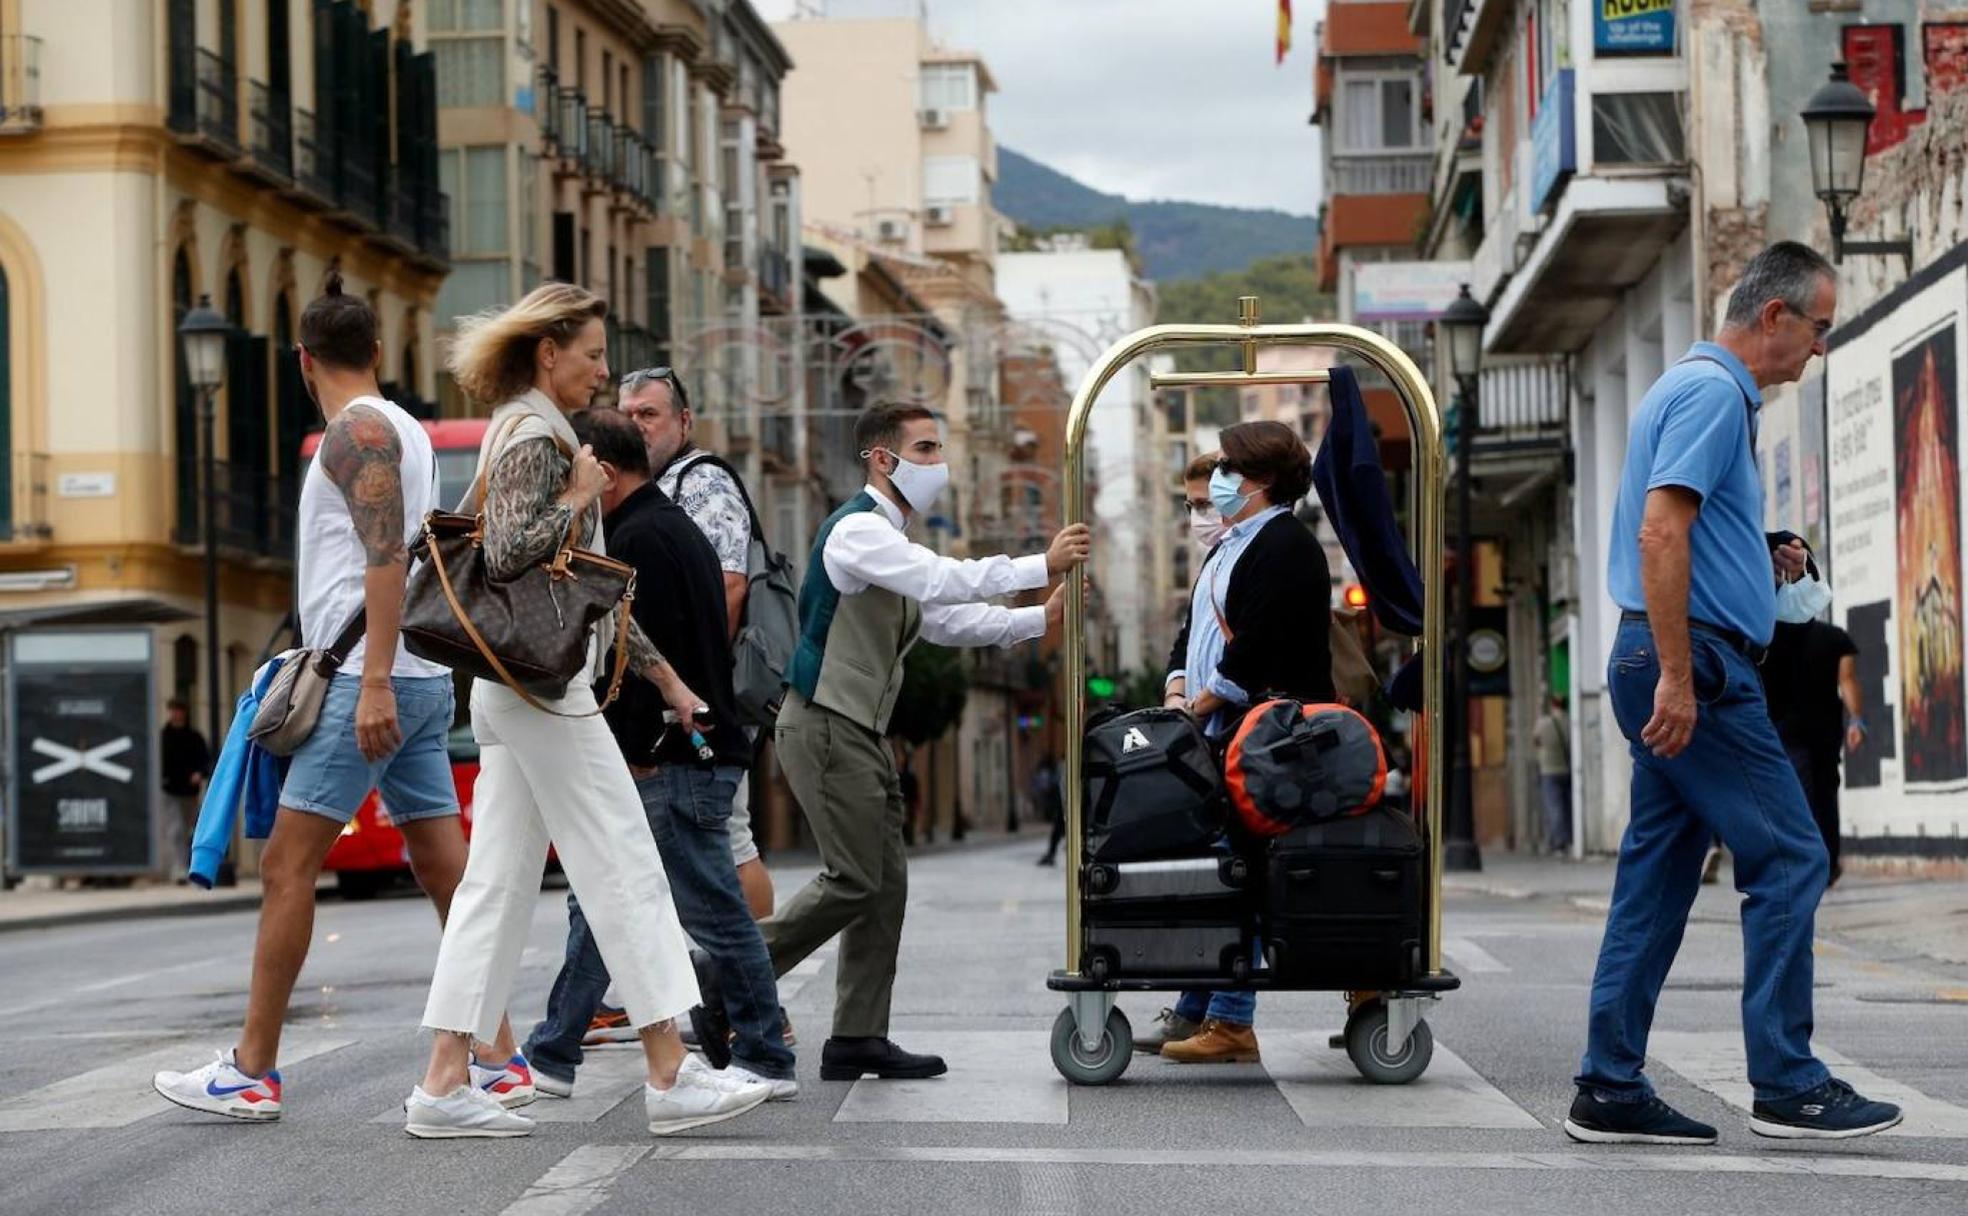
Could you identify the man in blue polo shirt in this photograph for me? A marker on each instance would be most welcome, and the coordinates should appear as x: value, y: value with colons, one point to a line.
x: 1696, y: 581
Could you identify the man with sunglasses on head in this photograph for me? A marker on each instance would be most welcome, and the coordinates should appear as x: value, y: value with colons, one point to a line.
x: 1697, y: 580
x: 868, y: 594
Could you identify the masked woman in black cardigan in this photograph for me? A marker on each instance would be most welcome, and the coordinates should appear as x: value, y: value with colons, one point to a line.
x: 1258, y: 624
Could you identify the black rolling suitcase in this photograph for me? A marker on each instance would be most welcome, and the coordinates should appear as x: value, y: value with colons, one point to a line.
x: 1188, y: 917
x: 1343, y: 902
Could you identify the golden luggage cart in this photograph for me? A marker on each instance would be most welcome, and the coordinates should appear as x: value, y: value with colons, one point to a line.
x: 1385, y: 1035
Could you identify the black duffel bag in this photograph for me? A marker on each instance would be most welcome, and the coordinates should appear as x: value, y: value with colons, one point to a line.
x: 1152, y: 787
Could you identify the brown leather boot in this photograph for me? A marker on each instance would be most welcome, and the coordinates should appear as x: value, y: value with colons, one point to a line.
x: 1218, y: 1043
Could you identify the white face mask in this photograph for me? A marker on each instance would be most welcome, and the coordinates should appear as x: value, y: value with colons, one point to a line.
x: 920, y: 484
x: 1207, y: 527
x: 1804, y: 600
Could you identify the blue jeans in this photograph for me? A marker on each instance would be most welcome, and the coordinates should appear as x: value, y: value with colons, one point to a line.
x: 1734, y: 782
x: 689, y: 811
x: 1236, y: 1008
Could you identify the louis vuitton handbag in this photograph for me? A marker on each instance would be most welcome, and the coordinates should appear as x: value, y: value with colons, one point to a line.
x: 528, y: 632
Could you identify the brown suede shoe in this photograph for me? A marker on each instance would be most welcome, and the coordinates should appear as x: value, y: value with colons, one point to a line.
x: 1218, y: 1043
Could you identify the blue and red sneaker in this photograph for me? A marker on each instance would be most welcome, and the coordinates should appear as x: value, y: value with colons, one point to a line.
x: 510, y: 1083
x: 220, y: 1088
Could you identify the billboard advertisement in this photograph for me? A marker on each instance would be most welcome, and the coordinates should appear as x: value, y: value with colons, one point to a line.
x: 1893, y: 505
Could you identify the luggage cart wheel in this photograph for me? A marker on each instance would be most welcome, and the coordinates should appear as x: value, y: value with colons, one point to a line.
x: 1366, y: 1044
x: 1099, y: 1065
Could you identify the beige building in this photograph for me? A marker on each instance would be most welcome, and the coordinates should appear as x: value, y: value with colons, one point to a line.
x: 151, y: 155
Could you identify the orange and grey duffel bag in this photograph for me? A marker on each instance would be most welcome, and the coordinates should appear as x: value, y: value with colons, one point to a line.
x: 1291, y: 763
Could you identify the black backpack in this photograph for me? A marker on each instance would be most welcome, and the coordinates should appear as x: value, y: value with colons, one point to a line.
x: 1152, y: 787
x: 769, y: 632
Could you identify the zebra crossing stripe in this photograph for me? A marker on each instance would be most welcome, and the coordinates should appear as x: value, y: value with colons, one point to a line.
x: 578, y: 1182
x: 1714, y: 1060
x: 1470, y: 958
x: 996, y: 1076
x: 119, y: 1094
x: 1326, y: 1091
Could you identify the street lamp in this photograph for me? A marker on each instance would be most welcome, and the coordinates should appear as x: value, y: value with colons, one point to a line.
x: 1464, y: 320
x: 204, y: 333
x: 1836, y: 121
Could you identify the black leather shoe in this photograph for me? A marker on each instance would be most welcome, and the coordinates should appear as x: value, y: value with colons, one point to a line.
x: 709, y: 1021
x: 852, y: 1059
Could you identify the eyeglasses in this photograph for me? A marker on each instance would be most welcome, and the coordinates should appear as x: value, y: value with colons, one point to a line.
x: 1198, y: 507
x: 1818, y: 327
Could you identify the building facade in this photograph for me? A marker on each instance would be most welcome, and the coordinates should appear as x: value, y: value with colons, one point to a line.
x: 152, y: 156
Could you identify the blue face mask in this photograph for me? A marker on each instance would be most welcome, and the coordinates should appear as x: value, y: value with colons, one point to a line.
x: 1804, y: 600
x: 1223, y: 493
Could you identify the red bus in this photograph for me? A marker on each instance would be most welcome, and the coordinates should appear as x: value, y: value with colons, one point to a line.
x: 370, y: 855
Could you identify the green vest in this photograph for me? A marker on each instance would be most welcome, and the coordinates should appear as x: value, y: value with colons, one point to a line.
x: 849, y: 658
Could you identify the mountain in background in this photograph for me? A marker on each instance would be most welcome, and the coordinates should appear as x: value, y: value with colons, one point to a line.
x: 1174, y: 240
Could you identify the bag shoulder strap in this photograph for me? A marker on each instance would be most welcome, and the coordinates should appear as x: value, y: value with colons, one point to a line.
x: 1222, y: 625
x: 344, y: 642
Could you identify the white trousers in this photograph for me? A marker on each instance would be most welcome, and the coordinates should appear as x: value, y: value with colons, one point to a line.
x: 542, y: 778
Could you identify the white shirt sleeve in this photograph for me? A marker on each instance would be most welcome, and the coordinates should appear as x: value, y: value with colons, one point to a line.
x: 982, y: 624
x: 865, y: 550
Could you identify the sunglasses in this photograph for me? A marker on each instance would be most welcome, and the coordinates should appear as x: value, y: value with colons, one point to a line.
x: 651, y: 375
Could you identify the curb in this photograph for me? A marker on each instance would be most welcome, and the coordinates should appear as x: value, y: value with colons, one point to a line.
x: 229, y: 902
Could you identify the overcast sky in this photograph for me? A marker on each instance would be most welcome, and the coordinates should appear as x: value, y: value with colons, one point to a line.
x: 1151, y: 99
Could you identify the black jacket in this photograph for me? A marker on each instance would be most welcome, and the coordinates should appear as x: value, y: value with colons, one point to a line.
x: 1278, y: 605
x: 680, y: 605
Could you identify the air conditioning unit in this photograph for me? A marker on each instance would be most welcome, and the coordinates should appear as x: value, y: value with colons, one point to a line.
x: 891, y: 230
x: 939, y: 217
x: 934, y: 118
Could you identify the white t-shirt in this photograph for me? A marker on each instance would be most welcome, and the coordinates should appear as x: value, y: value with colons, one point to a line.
x: 331, y: 563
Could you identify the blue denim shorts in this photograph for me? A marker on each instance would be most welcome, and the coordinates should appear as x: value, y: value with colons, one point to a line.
x: 329, y: 777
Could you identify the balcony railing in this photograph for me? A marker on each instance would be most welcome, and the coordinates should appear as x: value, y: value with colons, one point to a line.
x: 434, y: 225
x: 1393, y: 173
x: 400, y: 200
x: 1524, y: 402
x: 359, y: 185
x: 631, y: 161
x: 20, y: 83
x: 314, y: 160
x: 250, y: 513
x: 572, y: 139
x: 775, y: 272
x: 273, y: 129
x: 601, y: 146
x: 218, y: 100
x: 546, y: 104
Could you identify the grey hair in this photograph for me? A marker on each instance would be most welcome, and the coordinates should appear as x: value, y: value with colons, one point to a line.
x: 1786, y: 271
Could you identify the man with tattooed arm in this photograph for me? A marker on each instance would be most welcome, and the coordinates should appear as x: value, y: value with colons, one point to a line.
x: 384, y: 720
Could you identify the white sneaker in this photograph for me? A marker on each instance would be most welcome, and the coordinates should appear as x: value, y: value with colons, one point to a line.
x: 783, y: 1090
x: 463, y: 1113
x: 553, y: 1087
x: 700, y: 1096
x: 511, y: 1084
x: 220, y: 1088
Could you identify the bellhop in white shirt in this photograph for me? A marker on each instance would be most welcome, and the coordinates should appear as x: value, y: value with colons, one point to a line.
x: 869, y: 593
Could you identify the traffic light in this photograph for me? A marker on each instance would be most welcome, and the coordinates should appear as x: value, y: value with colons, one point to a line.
x: 1355, y: 596
x: 1099, y: 686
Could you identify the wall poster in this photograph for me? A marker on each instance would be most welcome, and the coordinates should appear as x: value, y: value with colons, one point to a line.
x: 1926, y: 423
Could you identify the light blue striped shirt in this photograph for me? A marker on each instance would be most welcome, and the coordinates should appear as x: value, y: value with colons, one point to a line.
x: 1206, y: 601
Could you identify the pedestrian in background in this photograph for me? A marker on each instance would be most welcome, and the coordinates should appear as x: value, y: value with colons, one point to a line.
x: 1553, y: 740
x: 1046, y: 799
x: 1811, y: 681
x: 1692, y: 573
x: 186, y: 761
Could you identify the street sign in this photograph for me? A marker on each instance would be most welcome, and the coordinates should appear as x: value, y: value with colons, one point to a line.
x: 1633, y: 27
x: 82, y: 772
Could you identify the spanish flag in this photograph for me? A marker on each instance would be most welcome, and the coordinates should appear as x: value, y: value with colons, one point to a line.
x: 1284, y: 28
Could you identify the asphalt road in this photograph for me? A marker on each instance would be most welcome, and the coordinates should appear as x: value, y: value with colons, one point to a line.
x: 92, y: 1010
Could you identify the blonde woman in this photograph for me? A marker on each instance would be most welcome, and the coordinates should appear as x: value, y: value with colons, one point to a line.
x: 550, y: 778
